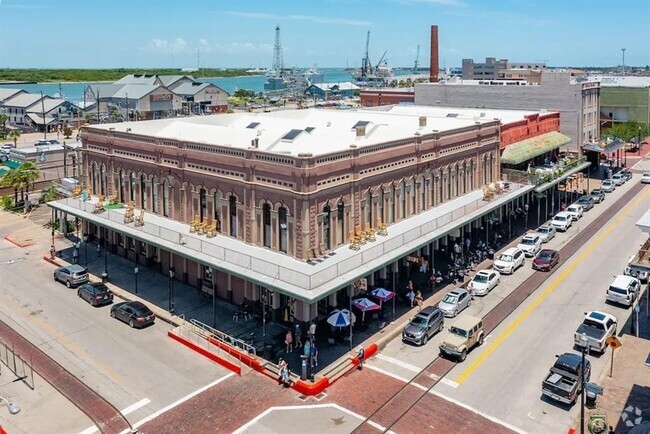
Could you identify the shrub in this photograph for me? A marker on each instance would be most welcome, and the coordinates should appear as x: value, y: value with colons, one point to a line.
x: 7, y: 202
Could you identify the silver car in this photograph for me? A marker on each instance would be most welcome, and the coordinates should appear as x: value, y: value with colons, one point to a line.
x: 71, y: 275
x: 422, y: 326
x: 454, y: 302
x: 546, y: 233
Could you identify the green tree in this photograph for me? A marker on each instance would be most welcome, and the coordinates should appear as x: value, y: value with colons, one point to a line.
x: 6, y: 201
x: 50, y: 194
x: 244, y: 93
x: 67, y: 132
x: 14, y: 135
x: 11, y: 180
x: 3, y: 120
x: 627, y: 130
x: 25, y: 176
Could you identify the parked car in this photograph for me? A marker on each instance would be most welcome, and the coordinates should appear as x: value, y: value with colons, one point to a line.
x: 546, y: 233
x: 564, y: 381
x: 484, y: 281
x: 623, y: 290
x: 575, y: 211
x: 42, y: 142
x: 95, y: 293
x: 645, y: 178
x: 71, y: 275
x: 619, y: 179
x: 509, y: 261
x: 598, y: 195
x: 546, y: 259
x: 586, y: 202
x: 134, y: 313
x: 608, y: 186
x: 454, y: 302
x: 422, y: 326
x: 562, y: 221
x: 596, y: 328
x: 627, y: 174
x: 530, y: 244
x: 635, y: 269
x: 462, y: 337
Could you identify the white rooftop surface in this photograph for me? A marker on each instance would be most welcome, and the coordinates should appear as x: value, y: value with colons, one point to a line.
x: 332, y: 129
x: 283, y: 273
x: 618, y: 81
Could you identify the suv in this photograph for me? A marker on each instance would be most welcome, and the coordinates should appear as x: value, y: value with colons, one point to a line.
x: 623, y: 290
x: 509, y: 261
x: 422, y: 326
x: 586, y: 202
x: 463, y: 336
x: 95, y: 293
x: 598, y: 195
x: 530, y: 244
x: 562, y: 221
x: 71, y: 275
x: 619, y: 179
x: 575, y: 211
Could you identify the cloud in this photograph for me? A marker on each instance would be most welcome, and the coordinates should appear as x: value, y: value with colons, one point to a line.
x: 308, y: 18
x: 177, y: 45
x: 204, y: 45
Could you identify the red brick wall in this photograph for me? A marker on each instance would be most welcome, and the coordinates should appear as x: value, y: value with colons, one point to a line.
x: 375, y: 98
x: 532, y: 126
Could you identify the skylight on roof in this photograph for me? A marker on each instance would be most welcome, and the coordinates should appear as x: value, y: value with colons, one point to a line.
x: 291, y: 135
x: 310, y: 129
x: 452, y: 115
x: 253, y: 125
x: 360, y: 124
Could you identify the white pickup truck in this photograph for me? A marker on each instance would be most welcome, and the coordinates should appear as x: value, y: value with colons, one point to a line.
x: 639, y: 265
x: 597, y: 327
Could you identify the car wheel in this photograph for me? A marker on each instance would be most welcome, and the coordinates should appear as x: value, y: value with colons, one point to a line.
x: 463, y: 356
x: 112, y: 314
x: 55, y: 279
x: 78, y: 293
x: 425, y: 339
x: 131, y: 323
x: 480, y: 340
x: 498, y: 281
x: 442, y: 326
x: 68, y: 284
x: 455, y: 313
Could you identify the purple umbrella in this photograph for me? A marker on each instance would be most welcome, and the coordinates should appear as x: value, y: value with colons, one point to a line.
x: 363, y: 304
x: 382, y: 295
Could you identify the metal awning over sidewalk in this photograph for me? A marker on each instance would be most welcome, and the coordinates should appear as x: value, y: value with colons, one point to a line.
x: 524, y: 150
x: 605, y: 147
x: 289, y: 276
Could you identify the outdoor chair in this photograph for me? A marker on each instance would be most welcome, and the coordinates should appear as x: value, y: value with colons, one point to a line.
x: 202, y: 227
x: 114, y: 200
x: 370, y: 234
x: 212, y: 230
x: 99, y: 206
x: 194, y: 224
x: 76, y: 191
x: 139, y: 220
x: 381, y: 228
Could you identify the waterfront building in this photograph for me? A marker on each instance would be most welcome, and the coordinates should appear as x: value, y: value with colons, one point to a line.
x: 16, y: 107
x: 332, y: 90
x: 202, y: 98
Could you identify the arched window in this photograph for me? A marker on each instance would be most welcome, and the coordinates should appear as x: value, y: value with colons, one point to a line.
x: 471, y: 175
x: 166, y: 198
x: 422, y: 195
x: 432, y: 189
x: 232, y: 205
x: 154, y: 195
x: 391, y: 204
x: 266, y: 225
x: 402, y: 200
x: 217, y: 209
x: 441, y: 187
x: 380, y: 205
x: 143, y: 195
x: 457, y: 180
x: 132, y: 187
x: 327, y: 217
x: 463, y: 183
x: 121, y: 187
x: 368, y: 213
x: 102, y: 179
x: 490, y: 169
x: 448, y: 182
x: 412, y: 209
x: 93, y: 178
x: 485, y: 173
x: 282, y: 229
x: 203, y: 204
x: 340, y: 221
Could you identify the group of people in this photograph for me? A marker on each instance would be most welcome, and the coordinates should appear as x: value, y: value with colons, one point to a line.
x: 414, y: 297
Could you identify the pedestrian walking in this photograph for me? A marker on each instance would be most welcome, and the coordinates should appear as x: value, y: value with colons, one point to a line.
x: 361, y: 354
x: 75, y: 256
x: 467, y: 244
x: 282, y: 366
x: 288, y: 340
x: 286, y: 374
x: 312, y: 330
x: 99, y: 250
x: 314, y: 355
x: 52, y: 251
x: 419, y: 300
x: 298, y: 333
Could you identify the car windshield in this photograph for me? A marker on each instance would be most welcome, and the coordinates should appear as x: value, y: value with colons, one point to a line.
x: 505, y: 258
x: 451, y: 299
x: 545, y: 255
x: 480, y: 278
x: 608, y: 182
x: 572, y: 209
x: 595, y: 193
x: 419, y: 320
x: 559, y: 218
x: 543, y: 230
x: 459, y: 332
x: 646, y: 174
x: 528, y: 241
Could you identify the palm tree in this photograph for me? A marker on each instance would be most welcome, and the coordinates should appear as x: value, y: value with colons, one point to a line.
x: 3, y: 120
x: 27, y: 173
x: 15, y: 134
x: 11, y: 180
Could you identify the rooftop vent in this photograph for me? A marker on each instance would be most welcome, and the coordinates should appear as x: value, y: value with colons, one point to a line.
x: 452, y: 115
x: 255, y: 143
x: 360, y: 124
x: 423, y: 121
x: 361, y: 130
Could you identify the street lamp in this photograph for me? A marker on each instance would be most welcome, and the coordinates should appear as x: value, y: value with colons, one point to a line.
x: 584, y: 344
x: 135, y: 272
x: 105, y: 273
x: 85, y: 238
x: 171, y: 290
x: 13, y: 408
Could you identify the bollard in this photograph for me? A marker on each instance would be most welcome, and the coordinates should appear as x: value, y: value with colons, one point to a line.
x: 303, y: 375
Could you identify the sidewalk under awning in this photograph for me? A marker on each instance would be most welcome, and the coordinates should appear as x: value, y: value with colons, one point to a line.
x: 524, y: 150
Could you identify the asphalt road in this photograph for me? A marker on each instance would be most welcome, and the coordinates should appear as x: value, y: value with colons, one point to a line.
x: 142, y: 371
x: 506, y: 384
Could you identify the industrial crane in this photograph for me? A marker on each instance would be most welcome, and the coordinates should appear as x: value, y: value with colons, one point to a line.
x: 417, y: 60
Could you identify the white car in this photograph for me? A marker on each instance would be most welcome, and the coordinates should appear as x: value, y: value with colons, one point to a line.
x: 546, y: 233
x: 575, y: 211
x: 509, y: 261
x: 645, y: 178
x: 562, y: 221
x: 619, y: 179
x: 530, y: 244
x: 623, y: 290
x: 608, y: 186
x: 484, y: 281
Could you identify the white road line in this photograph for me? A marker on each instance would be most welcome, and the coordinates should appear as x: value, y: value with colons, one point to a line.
x: 128, y: 410
x: 244, y: 428
x: 449, y: 383
x: 180, y: 401
x: 399, y: 363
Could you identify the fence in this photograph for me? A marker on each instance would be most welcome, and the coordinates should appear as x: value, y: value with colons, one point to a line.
x: 205, y: 330
x: 537, y: 179
x: 16, y: 364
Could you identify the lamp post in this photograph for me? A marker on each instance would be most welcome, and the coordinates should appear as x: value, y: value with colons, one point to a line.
x: 135, y: 272
x: 13, y: 408
x: 85, y: 238
x: 171, y: 290
x: 583, y: 349
x: 105, y: 273
x: 638, y: 141
x: 526, y: 214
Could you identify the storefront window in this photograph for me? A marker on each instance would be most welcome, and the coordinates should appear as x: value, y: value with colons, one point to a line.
x: 266, y: 225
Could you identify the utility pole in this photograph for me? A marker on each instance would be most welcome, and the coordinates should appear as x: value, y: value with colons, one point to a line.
x: 623, y: 50
x: 43, y: 109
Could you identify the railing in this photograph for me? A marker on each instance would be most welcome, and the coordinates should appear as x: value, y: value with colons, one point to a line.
x: 539, y: 179
x: 16, y: 364
x: 205, y: 330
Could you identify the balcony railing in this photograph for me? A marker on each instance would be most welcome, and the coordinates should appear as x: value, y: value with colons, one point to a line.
x: 542, y: 176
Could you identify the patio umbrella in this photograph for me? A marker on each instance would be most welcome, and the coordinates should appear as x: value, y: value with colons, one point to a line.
x: 382, y: 294
x: 341, y: 318
x: 363, y: 304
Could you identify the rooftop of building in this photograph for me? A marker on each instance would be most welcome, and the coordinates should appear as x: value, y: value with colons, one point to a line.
x: 24, y: 100
x: 621, y: 81
x: 313, y: 131
x: 6, y: 93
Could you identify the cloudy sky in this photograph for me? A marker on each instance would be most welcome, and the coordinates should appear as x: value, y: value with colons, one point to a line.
x: 165, y: 33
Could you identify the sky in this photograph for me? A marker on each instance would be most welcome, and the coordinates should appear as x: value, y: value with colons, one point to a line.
x: 329, y: 33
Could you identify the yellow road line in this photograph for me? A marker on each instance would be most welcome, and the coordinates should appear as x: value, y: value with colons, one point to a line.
x: 523, y: 315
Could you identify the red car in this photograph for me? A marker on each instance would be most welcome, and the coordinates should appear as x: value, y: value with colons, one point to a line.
x: 546, y: 259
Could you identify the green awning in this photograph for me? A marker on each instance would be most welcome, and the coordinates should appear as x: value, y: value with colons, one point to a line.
x: 519, y: 152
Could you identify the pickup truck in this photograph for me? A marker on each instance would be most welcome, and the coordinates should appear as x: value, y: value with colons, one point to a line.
x: 564, y: 381
x: 639, y: 264
x: 596, y: 327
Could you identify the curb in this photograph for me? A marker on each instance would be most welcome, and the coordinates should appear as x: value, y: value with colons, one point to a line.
x: 19, y: 244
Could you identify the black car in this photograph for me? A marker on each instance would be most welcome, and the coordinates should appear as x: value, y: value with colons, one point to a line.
x: 134, y: 313
x: 95, y: 293
x: 598, y: 195
x: 587, y: 202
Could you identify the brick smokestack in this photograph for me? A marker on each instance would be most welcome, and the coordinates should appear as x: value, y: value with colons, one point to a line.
x: 435, y: 65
